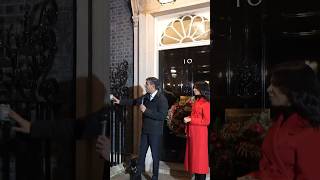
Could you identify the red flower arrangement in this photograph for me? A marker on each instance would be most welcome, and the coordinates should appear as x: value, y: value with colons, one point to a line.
x: 176, y: 114
x: 235, y: 146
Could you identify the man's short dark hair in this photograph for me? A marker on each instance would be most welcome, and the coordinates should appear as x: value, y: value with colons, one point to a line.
x: 154, y: 81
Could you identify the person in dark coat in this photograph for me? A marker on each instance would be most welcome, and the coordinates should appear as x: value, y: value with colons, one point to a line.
x: 291, y: 147
x: 154, y: 107
x: 197, y: 156
x: 64, y: 129
x: 54, y: 126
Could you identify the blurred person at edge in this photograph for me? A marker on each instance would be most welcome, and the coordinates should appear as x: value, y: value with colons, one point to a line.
x: 196, y: 156
x: 65, y: 130
x: 290, y: 150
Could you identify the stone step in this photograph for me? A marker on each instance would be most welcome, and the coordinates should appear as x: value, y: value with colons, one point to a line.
x: 116, y: 170
x: 176, y: 170
x: 171, y: 168
x: 167, y: 171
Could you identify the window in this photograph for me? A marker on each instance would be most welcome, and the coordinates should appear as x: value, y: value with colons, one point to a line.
x: 186, y: 29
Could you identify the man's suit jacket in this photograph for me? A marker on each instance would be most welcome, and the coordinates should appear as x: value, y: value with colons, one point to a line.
x: 154, y: 115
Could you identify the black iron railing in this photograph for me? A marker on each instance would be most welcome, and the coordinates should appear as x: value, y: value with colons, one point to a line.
x: 118, y: 115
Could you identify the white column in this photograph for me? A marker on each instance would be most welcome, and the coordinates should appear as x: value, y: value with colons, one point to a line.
x: 148, y: 65
x: 136, y: 49
x: 137, y: 124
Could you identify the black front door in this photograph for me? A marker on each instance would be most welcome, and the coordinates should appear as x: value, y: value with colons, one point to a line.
x: 179, y: 69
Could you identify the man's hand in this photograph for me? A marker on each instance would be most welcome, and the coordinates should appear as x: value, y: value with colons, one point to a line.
x: 24, y: 125
x: 115, y: 100
x: 103, y: 147
x: 186, y: 119
x: 142, y: 108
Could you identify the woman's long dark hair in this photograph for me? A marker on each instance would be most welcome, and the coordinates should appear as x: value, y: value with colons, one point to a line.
x: 204, y: 89
x: 299, y: 82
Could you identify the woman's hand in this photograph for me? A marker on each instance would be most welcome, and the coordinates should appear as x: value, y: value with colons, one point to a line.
x: 186, y: 119
x: 24, y: 125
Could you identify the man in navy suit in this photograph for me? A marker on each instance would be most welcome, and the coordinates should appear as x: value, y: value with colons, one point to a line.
x: 154, y: 107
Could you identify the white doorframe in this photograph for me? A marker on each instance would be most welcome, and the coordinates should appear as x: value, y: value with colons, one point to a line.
x: 147, y: 62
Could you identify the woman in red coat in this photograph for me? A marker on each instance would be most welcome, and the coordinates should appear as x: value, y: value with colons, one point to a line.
x: 291, y: 148
x: 196, y: 156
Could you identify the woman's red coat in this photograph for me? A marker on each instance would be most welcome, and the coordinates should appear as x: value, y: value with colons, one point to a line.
x: 291, y: 151
x: 196, y: 157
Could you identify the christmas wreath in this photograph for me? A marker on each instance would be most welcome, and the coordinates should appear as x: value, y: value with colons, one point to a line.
x: 176, y: 114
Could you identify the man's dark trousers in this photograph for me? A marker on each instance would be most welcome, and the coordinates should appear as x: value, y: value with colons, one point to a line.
x: 152, y: 140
